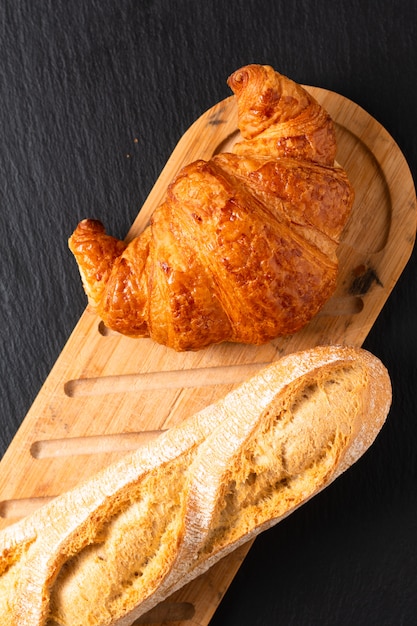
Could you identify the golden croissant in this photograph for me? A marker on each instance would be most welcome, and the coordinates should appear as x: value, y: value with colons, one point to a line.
x: 243, y: 248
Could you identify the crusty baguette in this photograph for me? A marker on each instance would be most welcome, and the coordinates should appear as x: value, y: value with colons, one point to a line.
x: 111, y: 549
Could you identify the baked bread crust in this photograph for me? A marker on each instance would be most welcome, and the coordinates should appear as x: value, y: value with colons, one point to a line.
x: 243, y: 248
x: 114, y: 547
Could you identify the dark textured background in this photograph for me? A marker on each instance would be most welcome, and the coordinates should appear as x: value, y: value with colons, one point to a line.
x: 79, y: 80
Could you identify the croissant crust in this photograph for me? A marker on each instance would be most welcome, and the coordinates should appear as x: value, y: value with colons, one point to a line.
x: 243, y: 248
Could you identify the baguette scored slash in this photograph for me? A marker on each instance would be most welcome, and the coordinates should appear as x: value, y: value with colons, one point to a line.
x: 114, y: 547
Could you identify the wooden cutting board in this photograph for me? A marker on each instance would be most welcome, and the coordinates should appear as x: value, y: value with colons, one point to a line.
x: 107, y: 393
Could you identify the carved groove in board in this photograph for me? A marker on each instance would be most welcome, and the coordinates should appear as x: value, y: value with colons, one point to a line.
x: 344, y: 305
x: 71, y: 446
x: 167, y: 611
x: 21, y: 507
x: 170, y: 379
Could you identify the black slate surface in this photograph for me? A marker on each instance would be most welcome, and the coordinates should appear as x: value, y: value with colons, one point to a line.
x: 80, y: 81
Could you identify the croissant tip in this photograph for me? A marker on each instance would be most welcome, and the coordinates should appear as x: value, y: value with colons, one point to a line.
x: 85, y: 228
x: 240, y: 77
x: 89, y: 225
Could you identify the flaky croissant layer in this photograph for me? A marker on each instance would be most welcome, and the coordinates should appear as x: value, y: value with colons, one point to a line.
x: 243, y: 248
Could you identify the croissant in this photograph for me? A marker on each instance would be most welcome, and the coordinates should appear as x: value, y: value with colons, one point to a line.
x: 243, y: 247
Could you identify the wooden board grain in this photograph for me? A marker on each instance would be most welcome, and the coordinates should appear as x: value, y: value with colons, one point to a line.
x: 107, y: 394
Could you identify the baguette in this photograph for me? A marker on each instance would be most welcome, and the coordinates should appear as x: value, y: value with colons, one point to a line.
x: 114, y: 547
